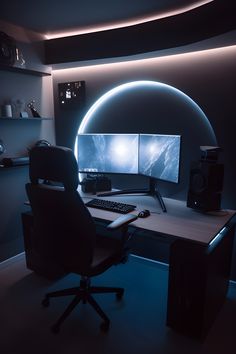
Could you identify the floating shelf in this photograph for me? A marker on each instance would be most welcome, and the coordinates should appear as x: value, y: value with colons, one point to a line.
x: 7, y: 167
x: 24, y: 70
x: 25, y: 119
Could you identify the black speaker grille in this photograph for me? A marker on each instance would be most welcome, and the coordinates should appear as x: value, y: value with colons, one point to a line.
x: 205, y: 185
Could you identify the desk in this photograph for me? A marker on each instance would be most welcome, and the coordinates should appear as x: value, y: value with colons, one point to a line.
x: 200, y: 259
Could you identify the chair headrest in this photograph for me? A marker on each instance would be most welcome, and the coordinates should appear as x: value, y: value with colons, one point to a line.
x: 53, y: 163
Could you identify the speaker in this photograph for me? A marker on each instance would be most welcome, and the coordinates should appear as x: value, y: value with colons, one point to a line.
x: 7, y: 49
x: 205, y: 186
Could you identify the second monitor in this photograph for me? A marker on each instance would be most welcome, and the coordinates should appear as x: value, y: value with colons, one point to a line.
x: 159, y: 156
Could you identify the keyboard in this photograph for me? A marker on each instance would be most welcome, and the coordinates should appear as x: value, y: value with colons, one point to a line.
x: 109, y: 205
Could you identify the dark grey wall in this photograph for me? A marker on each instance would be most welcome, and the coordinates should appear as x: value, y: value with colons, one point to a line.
x: 207, y: 77
x: 18, y: 135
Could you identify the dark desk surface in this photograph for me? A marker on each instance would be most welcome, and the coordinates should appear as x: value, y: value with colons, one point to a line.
x: 179, y: 221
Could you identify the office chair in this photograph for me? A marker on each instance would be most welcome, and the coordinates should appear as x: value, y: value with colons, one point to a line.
x: 64, y: 231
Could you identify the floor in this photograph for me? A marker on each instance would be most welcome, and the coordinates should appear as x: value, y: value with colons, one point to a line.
x: 137, y: 322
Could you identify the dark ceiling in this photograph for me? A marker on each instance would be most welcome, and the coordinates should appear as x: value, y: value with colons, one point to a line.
x: 174, y: 24
x: 48, y: 16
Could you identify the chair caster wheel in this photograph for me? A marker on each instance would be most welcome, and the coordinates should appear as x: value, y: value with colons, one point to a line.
x: 45, y: 302
x: 55, y: 329
x: 120, y: 294
x: 104, y: 326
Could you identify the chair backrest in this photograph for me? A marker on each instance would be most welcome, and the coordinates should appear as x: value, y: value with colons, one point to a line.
x: 63, y: 229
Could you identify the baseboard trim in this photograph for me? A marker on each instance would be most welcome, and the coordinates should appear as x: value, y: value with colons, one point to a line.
x: 164, y: 266
x: 12, y: 260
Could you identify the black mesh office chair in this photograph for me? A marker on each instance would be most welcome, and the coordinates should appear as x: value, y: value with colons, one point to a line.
x: 64, y: 231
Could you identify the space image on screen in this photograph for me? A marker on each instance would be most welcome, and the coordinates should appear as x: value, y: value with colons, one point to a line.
x: 108, y: 153
x: 159, y: 156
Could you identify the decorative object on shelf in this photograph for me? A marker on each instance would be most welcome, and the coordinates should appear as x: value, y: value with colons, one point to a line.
x: 33, y: 109
x: 6, y: 111
x: 18, y: 106
x: 20, y: 61
x: 2, y: 147
x: 7, y: 49
x: 24, y: 114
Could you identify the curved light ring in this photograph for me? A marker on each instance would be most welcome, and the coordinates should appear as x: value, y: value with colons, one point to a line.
x: 128, y: 86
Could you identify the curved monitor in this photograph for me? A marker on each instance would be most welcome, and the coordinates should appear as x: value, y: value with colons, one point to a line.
x: 154, y: 155
x: 108, y: 153
x: 159, y: 156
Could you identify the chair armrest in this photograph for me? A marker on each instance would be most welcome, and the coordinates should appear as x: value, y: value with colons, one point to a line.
x: 122, y: 221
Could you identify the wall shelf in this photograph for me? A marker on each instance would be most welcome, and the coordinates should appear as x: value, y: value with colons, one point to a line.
x: 25, y: 71
x: 25, y: 119
x: 7, y: 167
x: 4, y: 167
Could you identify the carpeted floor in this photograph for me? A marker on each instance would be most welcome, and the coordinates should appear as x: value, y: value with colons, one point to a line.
x: 137, y: 322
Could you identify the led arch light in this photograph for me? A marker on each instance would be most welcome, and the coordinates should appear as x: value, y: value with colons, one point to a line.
x: 125, y: 87
x: 104, y: 99
x: 179, y: 110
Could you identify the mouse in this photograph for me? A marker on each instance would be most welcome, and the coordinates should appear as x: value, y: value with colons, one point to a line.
x: 144, y: 213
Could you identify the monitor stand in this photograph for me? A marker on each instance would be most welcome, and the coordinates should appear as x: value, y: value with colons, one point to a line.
x: 152, y: 190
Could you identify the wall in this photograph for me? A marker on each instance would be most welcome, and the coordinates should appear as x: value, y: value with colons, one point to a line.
x: 19, y: 135
x: 208, y: 77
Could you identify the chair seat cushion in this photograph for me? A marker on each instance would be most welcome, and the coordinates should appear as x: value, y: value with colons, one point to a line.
x: 107, y: 252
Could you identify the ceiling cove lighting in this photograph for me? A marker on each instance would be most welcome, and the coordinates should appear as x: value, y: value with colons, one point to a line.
x: 126, y: 87
x: 128, y: 23
x: 148, y: 60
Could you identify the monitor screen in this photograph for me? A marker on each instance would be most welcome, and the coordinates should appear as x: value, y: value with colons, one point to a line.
x: 159, y: 156
x: 108, y: 153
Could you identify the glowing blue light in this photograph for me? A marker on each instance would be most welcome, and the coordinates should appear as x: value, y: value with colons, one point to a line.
x: 119, y: 151
x: 219, y: 235
x: 126, y: 87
